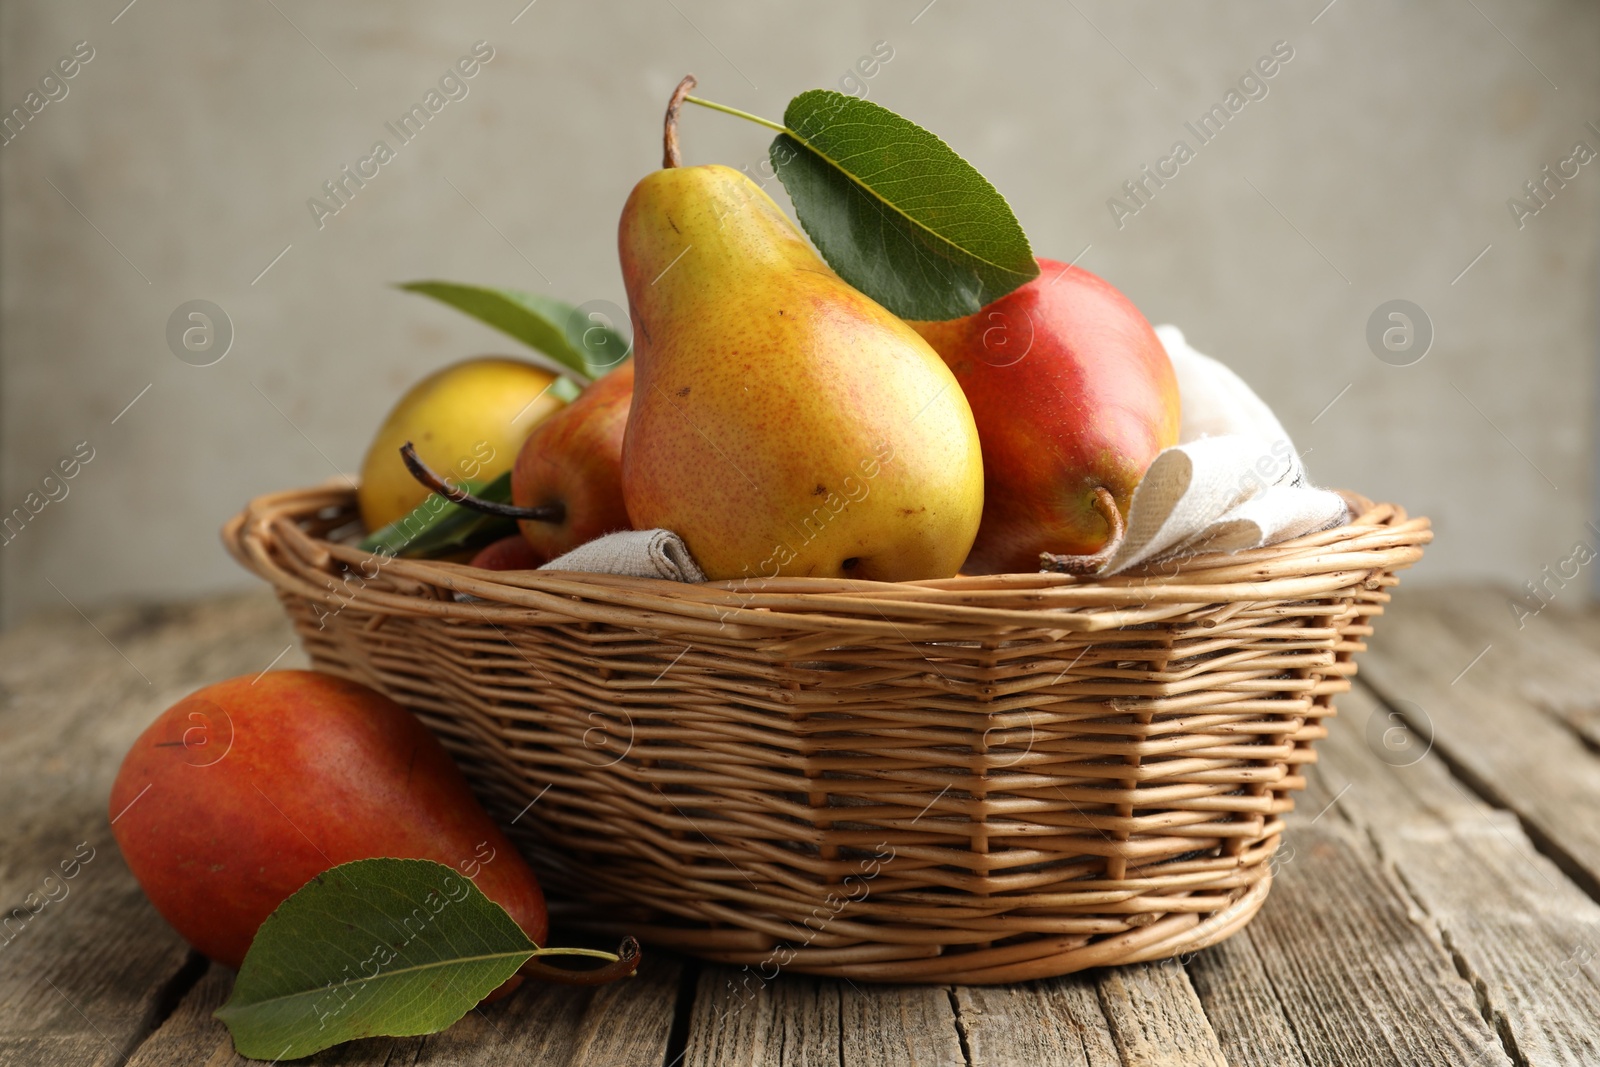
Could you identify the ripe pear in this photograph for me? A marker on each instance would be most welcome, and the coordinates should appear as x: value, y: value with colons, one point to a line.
x: 782, y: 421
x: 571, y: 465
x: 467, y: 420
x: 239, y: 794
x: 510, y: 553
x: 1073, y: 393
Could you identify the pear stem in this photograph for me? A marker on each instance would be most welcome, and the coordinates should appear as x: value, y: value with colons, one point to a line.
x: 725, y: 109
x: 623, y: 963
x: 552, y: 513
x: 670, y: 156
x: 1106, y: 505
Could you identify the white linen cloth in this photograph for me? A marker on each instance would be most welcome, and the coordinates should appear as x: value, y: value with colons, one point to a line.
x: 638, y: 553
x: 1234, y: 480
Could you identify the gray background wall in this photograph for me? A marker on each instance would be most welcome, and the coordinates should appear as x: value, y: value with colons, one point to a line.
x: 179, y: 164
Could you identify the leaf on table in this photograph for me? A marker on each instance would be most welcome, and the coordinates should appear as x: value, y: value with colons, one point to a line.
x: 379, y: 947
x: 581, y: 342
x: 895, y: 211
x: 436, y: 527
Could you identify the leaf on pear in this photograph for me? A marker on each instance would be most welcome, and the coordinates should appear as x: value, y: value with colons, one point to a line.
x: 378, y: 947
x: 580, y: 343
x: 436, y: 527
x: 895, y: 211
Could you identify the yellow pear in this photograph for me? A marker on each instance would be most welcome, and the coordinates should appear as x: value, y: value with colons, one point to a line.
x: 468, y: 421
x: 783, y: 423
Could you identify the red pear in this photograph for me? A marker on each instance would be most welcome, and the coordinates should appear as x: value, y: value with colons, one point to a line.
x: 238, y: 795
x: 510, y: 553
x: 572, y: 465
x: 1072, y: 393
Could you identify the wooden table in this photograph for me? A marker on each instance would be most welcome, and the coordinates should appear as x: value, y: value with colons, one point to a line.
x: 1434, y: 904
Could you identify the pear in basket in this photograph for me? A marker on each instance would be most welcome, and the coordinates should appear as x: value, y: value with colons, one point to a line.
x: 572, y: 462
x: 783, y: 423
x: 468, y: 418
x: 1074, y: 396
x: 566, y: 484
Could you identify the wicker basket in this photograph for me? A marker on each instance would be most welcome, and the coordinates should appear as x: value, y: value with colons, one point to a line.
x: 972, y: 780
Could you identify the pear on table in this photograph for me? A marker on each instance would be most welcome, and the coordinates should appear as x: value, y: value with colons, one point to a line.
x: 260, y: 783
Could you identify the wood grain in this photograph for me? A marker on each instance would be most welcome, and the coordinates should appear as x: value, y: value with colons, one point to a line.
x: 1057, y: 1021
x: 1552, y: 658
x: 1363, y: 983
x: 1342, y: 942
x: 1156, y: 1018
x: 799, y: 1020
x: 1340, y: 968
x: 1526, y: 937
x: 1253, y: 1024
x: 882, y: 1026
x: 84, y: 979
x: 1483, y: 721
x: 1411, y: 922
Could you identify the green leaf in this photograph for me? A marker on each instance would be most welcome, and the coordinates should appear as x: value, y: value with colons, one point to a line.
x: 583, y: 342
x: 436, y: 527
x: 895, y: 211
x: 380, y: 947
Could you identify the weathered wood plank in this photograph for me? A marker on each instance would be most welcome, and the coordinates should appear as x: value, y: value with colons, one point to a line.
x: 84, y: 979
x: 1251, y: 1021
x: 735, y: 1012
x: 1554, y: 655
x: 1146, y: 1014
x: 1156, y: 1018
x: 1403, y: 886
x: 1525, y: 936
x: 625, y: 1024
x: 803, y: 1021
x: 1362, y: 983
x: 1358, y: 977
x: 83, y: 985
x: 1484, y: 724
x: 1058, y: 1021
x: 888, y: 1026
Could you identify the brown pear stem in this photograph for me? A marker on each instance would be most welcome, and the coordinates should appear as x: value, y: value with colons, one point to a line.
x: 552, y: 513
x: 1106, y: 505
x: 670, y: 156
x: 626, y: 963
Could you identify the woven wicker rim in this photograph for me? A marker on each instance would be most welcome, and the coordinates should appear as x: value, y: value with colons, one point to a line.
x: 272, y: 538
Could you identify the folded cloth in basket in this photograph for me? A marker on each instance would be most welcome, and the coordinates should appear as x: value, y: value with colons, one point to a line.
x: 637, y: 553
x: 1234, y: 480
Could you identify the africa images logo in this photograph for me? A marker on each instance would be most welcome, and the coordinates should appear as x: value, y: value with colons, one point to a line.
x: 1252, y: 85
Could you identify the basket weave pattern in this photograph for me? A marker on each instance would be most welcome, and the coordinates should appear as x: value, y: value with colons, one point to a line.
x: 983, y: 779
